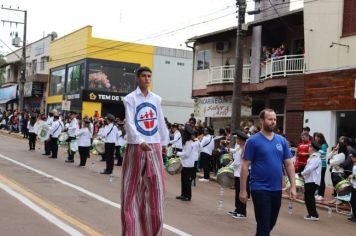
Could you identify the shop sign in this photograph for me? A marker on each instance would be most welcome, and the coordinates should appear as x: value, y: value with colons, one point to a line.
x: 97, y: 96
x: 217, y: 107
x: 72, y: 96
x: 66, y: 105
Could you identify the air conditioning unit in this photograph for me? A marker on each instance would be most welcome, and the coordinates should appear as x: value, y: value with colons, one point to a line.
x: 16, y: 41
x: 221, y: 47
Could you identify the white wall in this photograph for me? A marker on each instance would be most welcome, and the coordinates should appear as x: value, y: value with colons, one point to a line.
x: 323, y: 25
x: 172, y: 80
x: 323, y: 122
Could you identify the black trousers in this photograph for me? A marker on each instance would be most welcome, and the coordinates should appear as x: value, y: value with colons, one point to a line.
x: 32, y: 140
x: 309, y: 191
x: 205, y: 162
x: 70, y: 152
x: 109, y: 156
x: 336, y: 178
x: 48, y: 147
x: 240, y: 207
x: 84, y: 154
x: 187, y: 176
x: 353, y: 202
x: 54, y: 147
x: 321, y: 188
x: 118, y: 155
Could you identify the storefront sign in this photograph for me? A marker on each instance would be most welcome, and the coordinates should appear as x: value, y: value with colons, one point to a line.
x: 72, y: 96
x: 66, y: 105
x: 217, y: 107
x: 95, y: 96
x: 8, y: 93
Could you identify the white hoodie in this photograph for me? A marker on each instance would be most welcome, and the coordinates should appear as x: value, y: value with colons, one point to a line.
x: 312, y: 171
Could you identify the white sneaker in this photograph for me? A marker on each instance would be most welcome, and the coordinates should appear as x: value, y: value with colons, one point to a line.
x: 319, y: 198
x: 238, y: 216
x: 311, y: 218
x: 203, y: 180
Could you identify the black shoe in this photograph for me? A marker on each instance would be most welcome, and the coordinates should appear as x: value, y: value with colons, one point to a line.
x: 231, y: 213
x: 180, y: 197
x: 102, y: 160
x: 352, y: 219
x: 185, y: 199
x: 105, y: 172
x: 46, y: 154
x: 69, y: 161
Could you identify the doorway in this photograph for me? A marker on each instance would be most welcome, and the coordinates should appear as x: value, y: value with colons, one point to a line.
x: 116, y: 109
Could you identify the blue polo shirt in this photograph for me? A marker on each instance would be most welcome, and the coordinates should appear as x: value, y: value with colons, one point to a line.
x: 266, y: 158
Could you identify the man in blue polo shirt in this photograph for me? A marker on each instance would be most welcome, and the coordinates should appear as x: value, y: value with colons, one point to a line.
x: 266, y: 152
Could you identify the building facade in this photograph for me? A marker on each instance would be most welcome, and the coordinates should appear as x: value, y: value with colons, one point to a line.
x: 90, y: 75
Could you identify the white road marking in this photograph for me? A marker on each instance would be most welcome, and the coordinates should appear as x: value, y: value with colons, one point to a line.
x: 87, y: 192
x: 48, y: 216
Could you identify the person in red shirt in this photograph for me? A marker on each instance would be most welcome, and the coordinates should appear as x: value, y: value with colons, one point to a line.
x: 302, y: 152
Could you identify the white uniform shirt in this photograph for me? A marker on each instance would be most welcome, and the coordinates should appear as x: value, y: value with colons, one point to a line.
x: 56, y: 128
x: 207, y: 144
x: 73, y: 127
x: 312, y: 171
x: 83, y: 136
x: 237, y: 155
x: 186, y: 156
x: 109, y: 133
x: 196, y: 150
x: 353, y: 181
x: 49, y: 120
x: 120, y: 141
x: 177, y: 140
x: 335, y: 160
x: 30, y: 127
x: 144, y: 119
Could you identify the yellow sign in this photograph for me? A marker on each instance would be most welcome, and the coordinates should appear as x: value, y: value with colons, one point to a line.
x: 92, y: 96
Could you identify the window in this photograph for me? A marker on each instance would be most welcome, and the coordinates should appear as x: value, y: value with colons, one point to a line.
x: 203, y: 60
x: 349, y: 18
x: 180, y: 63
x: 34, y: 66
x: 43, y: 62
x: 112, y: 77
x: 57, y: 79
x: 74, y: 78
x: 167, y: 62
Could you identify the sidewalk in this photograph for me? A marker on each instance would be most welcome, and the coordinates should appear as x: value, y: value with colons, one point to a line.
x: 345, y: 207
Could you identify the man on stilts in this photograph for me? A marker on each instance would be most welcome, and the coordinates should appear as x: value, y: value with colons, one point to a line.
x: 143, y: 182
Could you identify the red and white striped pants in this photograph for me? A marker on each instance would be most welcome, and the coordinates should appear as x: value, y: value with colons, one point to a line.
x: 142, y: 191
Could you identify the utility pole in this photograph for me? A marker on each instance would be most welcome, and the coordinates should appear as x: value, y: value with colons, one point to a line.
x: 22, y: 80
x: 237, y: 95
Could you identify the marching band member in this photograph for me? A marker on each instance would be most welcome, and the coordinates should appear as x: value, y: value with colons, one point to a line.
x: 56, y: 129
x: 206, y: 146
x: 31, y: 132
x: 49, y: 121
x: 72, y: 129
x: 84, y: 141
x: 187, y: 160
x: 352, y: 178
x: 120, y: 142
x: 176, y: 142
x: 240, y: 207
x: 109, y: 135
x: 102, y: 124
x: 312, y: 175
x: 143, y: 183
x: 195, y: 154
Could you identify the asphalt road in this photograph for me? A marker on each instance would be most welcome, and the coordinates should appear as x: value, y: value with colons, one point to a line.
x: 42, y: 196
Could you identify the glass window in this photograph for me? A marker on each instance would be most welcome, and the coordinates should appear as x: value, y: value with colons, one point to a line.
x: 203, y: 60
x: 74, y: 78
x: 110, y: 77
x: 34, y: 66
x: 42, y: 64
x: 56, y: 86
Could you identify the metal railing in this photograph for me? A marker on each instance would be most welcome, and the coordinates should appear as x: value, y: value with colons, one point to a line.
x: 225, y: 74
x: 282, y: 66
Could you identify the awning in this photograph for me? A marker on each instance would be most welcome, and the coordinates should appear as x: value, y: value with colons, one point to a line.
x: 8, y: 93
x: 5, y: 101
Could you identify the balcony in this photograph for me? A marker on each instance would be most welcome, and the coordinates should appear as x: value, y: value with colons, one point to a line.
x: 282, y: 66
x: 225, y: 74
x: 272, y: 68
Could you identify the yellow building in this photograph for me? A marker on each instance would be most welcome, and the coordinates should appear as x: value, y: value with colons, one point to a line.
x: 90, y: 74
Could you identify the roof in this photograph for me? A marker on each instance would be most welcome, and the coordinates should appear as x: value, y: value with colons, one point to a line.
x: 250, y: 24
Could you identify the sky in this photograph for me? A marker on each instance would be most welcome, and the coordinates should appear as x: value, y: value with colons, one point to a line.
x: 163, y: 23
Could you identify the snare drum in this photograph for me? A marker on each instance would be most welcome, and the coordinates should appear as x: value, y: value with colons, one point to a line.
x: 225, y: 177
x: 99, y: 146
x: 174, y: 166
x: 225, y: 159
x: 344, y: 187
